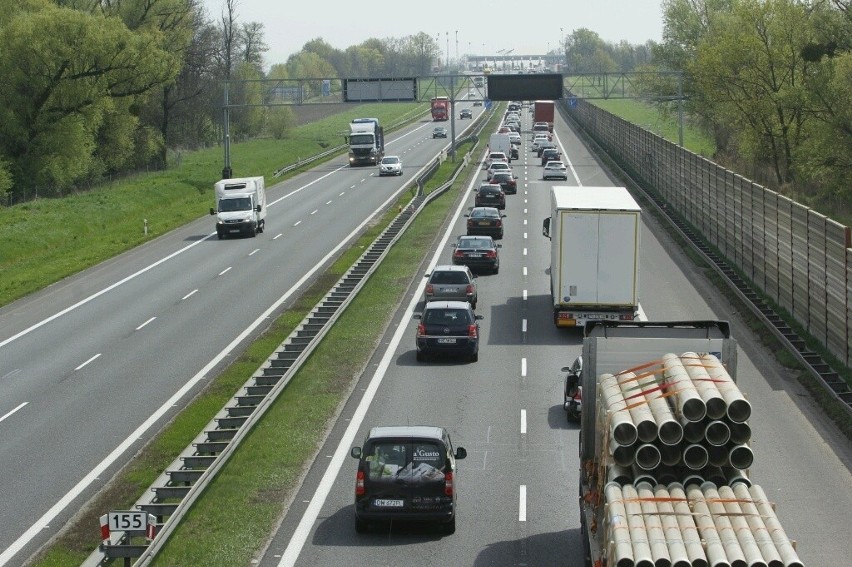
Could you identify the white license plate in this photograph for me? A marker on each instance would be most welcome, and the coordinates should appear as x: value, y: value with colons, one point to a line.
x: 596, y: 316
x: 443, y: 341
x: 389, y: 503
x: 475, y: 255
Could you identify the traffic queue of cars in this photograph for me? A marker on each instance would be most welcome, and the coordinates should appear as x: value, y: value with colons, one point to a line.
x: 408, y: 472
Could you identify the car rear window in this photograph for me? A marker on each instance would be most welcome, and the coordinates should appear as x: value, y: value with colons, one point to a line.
x: 446, y: 317
x: 416, y: 460
x: 449, y: 278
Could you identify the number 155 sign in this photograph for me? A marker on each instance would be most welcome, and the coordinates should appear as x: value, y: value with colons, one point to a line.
x: 128, y: 521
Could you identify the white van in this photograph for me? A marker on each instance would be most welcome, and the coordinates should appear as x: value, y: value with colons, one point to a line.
x: 240, y: 206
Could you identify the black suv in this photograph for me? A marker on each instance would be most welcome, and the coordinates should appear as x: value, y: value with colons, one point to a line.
x: 406, y: 472
x: 447, y: 327
x: 490, y: 195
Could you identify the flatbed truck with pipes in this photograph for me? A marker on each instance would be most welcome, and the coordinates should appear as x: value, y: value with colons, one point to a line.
x: 664, y: 452
x: 594, y: 254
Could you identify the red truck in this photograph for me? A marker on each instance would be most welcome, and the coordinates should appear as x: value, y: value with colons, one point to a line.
x: 440, y: 108
x: 543, y: 112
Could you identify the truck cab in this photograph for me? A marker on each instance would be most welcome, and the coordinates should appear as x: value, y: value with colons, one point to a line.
x: 240, y: 206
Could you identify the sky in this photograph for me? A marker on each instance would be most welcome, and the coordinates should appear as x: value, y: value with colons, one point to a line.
x: 482, y: 28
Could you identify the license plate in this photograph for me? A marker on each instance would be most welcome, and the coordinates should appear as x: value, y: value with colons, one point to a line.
x: 444, y: 341
x: 474, y: 255
x: 389, y: 503
x: 484, y: 223
x: 596, y: 316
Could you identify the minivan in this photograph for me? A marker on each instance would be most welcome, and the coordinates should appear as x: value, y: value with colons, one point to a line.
x: 406, y: 473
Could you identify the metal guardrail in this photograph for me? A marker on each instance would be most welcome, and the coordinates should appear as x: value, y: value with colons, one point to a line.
x: 816, y: 366
x: 171, y: 496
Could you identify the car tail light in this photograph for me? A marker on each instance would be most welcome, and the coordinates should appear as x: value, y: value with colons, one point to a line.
x: 429, y: 289
x: 491, y: 254
x: 421, y: 330
x: 472, y: 331
x: 469, y: 289
x: 449, y: 487
x: 499, y: 223
x: 458, y: 254
x: 359, y: 484
x: 626, y: 317
x: 469, y: 222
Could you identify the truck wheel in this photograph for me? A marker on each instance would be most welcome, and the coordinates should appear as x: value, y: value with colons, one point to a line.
x: 253, y: 230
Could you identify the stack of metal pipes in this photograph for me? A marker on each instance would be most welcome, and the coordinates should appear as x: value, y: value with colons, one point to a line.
x: 681, y: 419
x: 694, y: 526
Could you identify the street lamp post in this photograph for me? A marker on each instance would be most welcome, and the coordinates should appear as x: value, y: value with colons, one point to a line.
x: 457, y: 49
x: 448, y: 51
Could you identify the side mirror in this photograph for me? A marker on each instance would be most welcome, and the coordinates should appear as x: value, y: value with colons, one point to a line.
x: 499, y: 246
x: 259, y: 207
x: 417, y: 316
x: 545, y: 227
x: 427, y: 274
x: 502, y: 216
x: 480, y: 317
x: 461, y: 453
x: 356, y: 452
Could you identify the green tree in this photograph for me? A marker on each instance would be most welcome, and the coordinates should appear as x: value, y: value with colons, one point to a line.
x: 750, y: 68
x: 60, y: 67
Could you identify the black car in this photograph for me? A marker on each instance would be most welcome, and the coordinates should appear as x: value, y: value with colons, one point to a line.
x: 477, y: 252
x: 490, y: 195
x: 465, y: 113
x: 406, y: 472
x: 439, y: 132
x: 550, y: 154
x: 485, y: 220
x: 507, y: 181
x: 448, y: 327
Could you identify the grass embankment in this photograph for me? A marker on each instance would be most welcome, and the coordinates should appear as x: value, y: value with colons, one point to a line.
x: 228, y: 524
x: 665, y: 125
x: 46, y: 240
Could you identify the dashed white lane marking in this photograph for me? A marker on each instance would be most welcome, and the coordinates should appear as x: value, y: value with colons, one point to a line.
x: 188, y: 295
x: 522, y: 504
x: 9, y: 414
x: 140, y: 327
x: 94, y: 358
x: 523, y: 422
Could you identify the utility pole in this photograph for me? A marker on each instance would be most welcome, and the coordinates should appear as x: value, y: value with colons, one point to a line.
x: 448, y: 51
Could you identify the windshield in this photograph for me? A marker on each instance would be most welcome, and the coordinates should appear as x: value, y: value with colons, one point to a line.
x: 238, y: 204
x: 360, y: 139
x: 390, y: 160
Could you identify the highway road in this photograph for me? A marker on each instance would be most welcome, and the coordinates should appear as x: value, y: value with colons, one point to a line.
x: 518, y: 486
x: 92, y: 367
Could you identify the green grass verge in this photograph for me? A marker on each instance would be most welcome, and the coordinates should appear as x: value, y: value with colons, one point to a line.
x: 46, y: 240
x: 666, y: 125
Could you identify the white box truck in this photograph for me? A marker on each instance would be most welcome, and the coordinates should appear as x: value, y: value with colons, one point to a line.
x: 594, y: 259
x: 502, y: 143
x: 240, y: 206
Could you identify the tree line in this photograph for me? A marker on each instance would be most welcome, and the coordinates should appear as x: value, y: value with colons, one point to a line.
x: 103, y: 87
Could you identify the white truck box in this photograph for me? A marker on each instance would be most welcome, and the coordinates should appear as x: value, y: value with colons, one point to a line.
x: 594, y: 233
x: 240, y: 206
x: 501, y: 143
